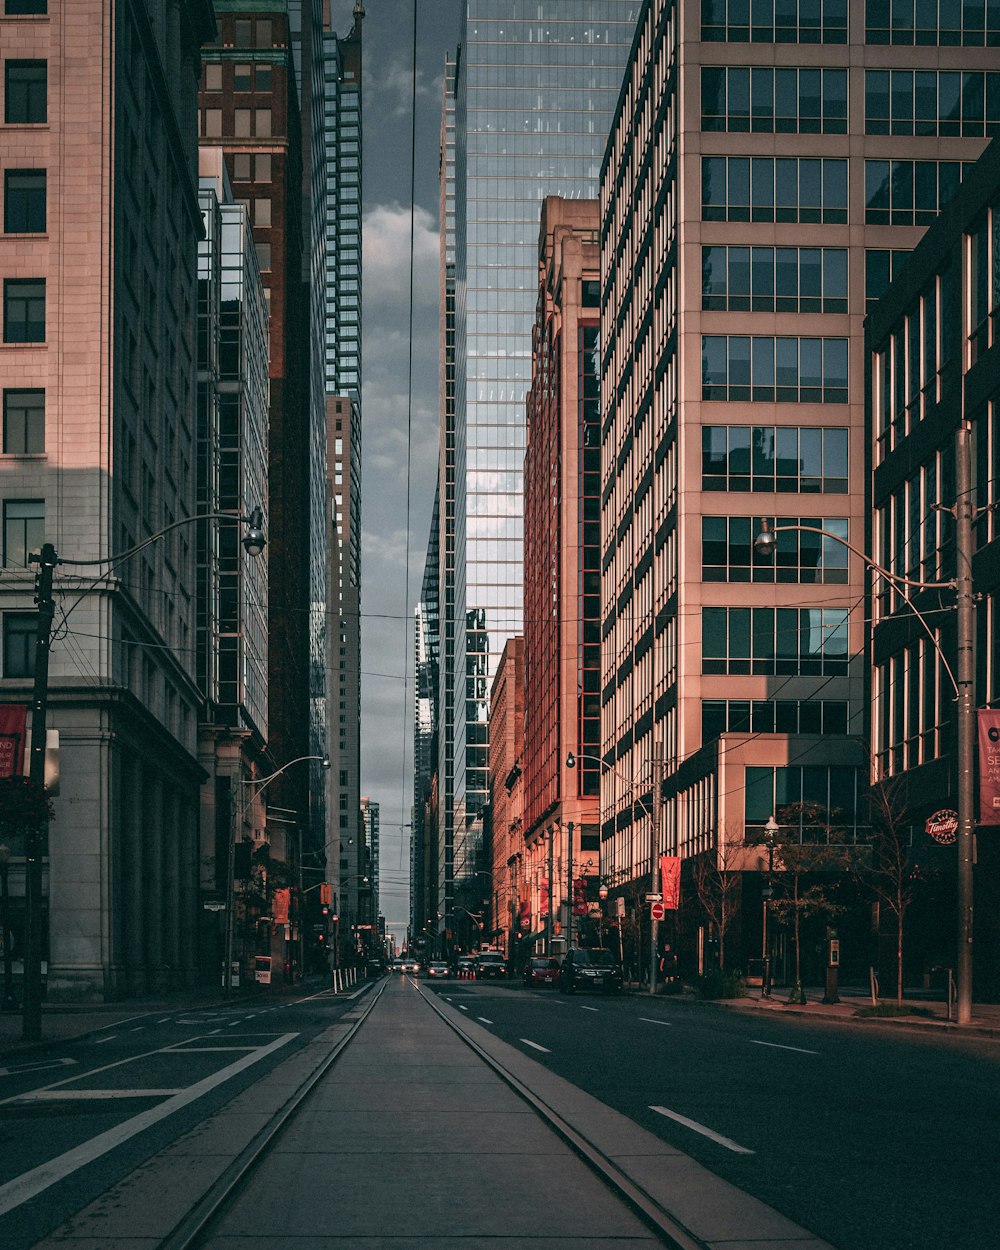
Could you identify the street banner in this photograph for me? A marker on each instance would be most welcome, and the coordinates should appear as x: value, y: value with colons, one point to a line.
x: 543, y: 896
x: 279, y: 906
x: 989, y: 766
x: 580, y: 896
x: 13, y: 724
x: 670, y: 876
x: 524, y: 914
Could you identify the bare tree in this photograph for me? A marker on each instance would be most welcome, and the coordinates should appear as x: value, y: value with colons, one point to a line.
x: 808, y: 847
x: 717, y: 882
x: 886, y: 868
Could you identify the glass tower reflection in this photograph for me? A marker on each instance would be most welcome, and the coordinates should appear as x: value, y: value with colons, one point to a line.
x: 537, y: 87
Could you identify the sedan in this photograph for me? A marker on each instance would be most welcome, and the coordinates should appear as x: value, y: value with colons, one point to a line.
x: 410, y: 965
x: 541, y: 970
x: 438, y: 969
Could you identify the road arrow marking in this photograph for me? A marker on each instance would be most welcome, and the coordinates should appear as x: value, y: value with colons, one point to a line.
x: 705, y: 1132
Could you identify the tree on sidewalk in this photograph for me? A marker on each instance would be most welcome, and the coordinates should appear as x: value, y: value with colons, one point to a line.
x: 809, y: 856
x: 885, y: 868
x: 717, y: 884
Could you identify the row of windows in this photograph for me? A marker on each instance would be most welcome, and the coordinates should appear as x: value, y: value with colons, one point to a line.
x: 774, y: 641
x: 785, y: 459
x: 247, y: 123
x: 774, y: 21
x: 910, y: 193
x: 910, y: 530
x: 764, y: 188
x: 789, y: 793
x: 25, y: 92
x: 774, y: 279
x: 908, y: 713
x: 774, y: 101
x: 24, y: 201
x: 801, y: 556
x: 984, y: 282
x: 762, y: 369
x: 931, y: 102
x: 24, y: 310
x: 770, y: 716
x: 943, y: 23
x: 257, y: 77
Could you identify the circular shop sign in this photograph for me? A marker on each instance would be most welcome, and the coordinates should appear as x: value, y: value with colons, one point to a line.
x: 943, y: 827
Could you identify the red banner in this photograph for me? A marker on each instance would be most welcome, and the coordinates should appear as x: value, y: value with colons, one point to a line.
x: 13, y: 723
x: 524, y: 914
x: 670, y: 878
x: 580, y: 896
x: 543, y: 897
x: 989, y: 766
x: 279, y: 906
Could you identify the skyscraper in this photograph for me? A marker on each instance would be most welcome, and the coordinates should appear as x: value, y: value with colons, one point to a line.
x: 537, y: 87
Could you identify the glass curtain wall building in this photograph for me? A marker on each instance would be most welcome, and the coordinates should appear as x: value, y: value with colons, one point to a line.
x: 537, y: 87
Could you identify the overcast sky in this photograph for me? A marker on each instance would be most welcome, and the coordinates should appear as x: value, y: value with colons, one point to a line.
x: 386, y: 605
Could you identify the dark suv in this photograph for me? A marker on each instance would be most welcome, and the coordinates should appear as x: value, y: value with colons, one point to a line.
x: 490, y: 964
x: 590, y: 969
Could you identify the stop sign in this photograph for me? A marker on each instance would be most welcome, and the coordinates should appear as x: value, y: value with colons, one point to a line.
x: 657, y: 911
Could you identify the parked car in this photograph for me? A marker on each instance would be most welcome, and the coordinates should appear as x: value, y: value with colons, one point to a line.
x: 590, y: 969
x: 436, y: 968
x: 541, y: 970
x: 490, y: 965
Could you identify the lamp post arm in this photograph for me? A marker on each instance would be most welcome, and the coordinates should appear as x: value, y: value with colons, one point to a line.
x: 121, y: 556
x: 263, y: 782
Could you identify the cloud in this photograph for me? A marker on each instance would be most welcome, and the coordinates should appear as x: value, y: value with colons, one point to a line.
x: 386, y: 235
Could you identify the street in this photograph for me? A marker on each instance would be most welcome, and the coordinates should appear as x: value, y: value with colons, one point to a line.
x: 864, y: 1135
x: 77, y: 1116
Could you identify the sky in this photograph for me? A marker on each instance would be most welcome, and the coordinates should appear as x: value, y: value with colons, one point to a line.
x: 395, y: 463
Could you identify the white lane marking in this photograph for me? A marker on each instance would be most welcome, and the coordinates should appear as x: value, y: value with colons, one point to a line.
x: 38, y: 1179
x: 64, y: 1095
x: 484, y: 1020
x: 164, y: 1020
x: 705, y: 1132
x: 118, y: 1023
x: 462, y: 1007
x: 101, y: 1040
x: 588, y: 1008
x: 321, y: 994
x: 535, y: 1046
x: 18, y: 1069
x: 778, y: 1046
x: 138, y: 1028
x: 666, y: 1023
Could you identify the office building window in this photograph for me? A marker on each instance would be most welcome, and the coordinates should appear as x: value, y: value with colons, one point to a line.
x: 784, y: 459
x: 262, y: 122
x: 23, y: 421
x: 243, y: 33
x: 24, y: 8
x: 242, y: 80
x: 24, y: 201
x: 761, y: 369
x: 263, y: 78
x: 213, y: 76
x: 263, y: 256
x: 25, y: 92
x: 793, y: 642
x: 908, y: 370
x: 908, y: 716
x: 928, y: 102
x: 212, y: 125
x: 19, y: 629
x: 264, y: 37
x: 770, y: 716
x: 24, y: 310
x: 741, y: 188
x: 983, y: 243
x: 262, y: 168
x: 241, y: 166
x: 910, y: 193
x: 910, y: 534
x: 881, y: 266
x: 23, y: 530
x: 774, y: 279
x: 241, y: 123
x: 790, y: 793
x: 262, y: 212
x: 774, y: 101
x: 802, y: 556
x: 774, y: 21
x: 972, y: 23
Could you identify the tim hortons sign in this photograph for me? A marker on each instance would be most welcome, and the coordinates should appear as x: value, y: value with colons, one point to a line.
x: 943, y: 827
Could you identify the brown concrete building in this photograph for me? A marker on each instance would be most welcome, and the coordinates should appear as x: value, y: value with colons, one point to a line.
x: 562, y: 557
x: 506, y: 794
x: 98, y: 147
x: 763, y: 173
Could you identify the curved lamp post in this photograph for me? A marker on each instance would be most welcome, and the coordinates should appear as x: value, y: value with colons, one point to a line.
x: 963, y: 679
x: 238, y: 813
x: 48, y: 559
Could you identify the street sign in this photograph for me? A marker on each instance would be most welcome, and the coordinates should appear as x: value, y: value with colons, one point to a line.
x: 213, y: 906
x: 654, y: 898
x: 657, y: 911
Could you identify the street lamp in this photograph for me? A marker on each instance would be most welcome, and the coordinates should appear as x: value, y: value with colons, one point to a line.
x: 9, y: 1001
x: 48, y: 559
x: 963, y: 680
x: 239, y: 810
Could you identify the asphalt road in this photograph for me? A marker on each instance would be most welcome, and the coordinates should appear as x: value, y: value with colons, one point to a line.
x: 77, y: 1116
x: 873, y: 1139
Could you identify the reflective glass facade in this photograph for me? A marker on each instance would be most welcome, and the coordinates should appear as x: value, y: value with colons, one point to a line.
x: 538, y: 85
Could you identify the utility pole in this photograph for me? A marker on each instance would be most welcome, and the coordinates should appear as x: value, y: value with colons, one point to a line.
x: 37, y: 837
x: 965, y: 680
x: 654, y: 854
x: 569, y: 887
x: 548, y: 939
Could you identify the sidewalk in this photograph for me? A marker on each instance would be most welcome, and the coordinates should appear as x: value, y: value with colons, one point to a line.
x: 929, y: 1015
